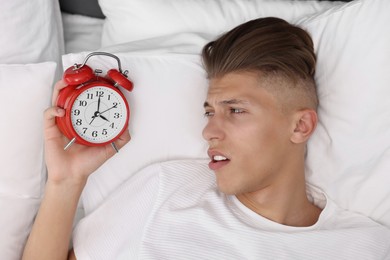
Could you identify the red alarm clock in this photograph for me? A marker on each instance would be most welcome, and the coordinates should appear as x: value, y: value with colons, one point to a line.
x: 96, y: 111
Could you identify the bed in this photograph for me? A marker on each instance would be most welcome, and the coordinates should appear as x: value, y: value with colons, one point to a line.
x: 159, y: 43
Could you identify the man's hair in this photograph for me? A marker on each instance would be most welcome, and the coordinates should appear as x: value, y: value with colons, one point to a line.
x: 271, y: 46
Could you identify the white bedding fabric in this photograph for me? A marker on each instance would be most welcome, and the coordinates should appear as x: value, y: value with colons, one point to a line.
x: 348, y: 155
x: 173, y: 210
x: 352, y: 145
x: 132, y: 20
x: 346, y: 149
x: 26, y: 91
x: 81, y: 33
x: 31, y: 31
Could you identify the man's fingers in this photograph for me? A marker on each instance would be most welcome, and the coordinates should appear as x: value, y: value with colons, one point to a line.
x: 50, y: 115
x: 119, y: 143
x: 57, y: 88
x: 124, y: 139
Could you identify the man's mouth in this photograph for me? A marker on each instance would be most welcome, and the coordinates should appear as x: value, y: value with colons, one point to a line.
x: 218, y: 161
x: 218, y: 158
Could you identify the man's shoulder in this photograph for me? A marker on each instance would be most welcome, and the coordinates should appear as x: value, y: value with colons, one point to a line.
x: 334, y: 216
x: 341, y: 223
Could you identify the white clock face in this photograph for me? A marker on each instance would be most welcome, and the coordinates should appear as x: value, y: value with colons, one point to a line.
x: 98, y: 114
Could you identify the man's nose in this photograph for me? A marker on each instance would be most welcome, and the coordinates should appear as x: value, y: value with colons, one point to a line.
x: 213, y: 129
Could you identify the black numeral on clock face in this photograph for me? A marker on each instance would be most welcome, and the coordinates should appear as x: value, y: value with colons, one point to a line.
x: 83, y: 103
x: 95, y: 133
x: 99, y: 94
x: 76, y: 112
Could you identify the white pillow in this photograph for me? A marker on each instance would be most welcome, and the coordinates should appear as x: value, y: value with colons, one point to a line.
x: 25, y: 92
x: 166, y: 115
x: 31, y: 32
x: 130, y: 20
x: 81, y: 33
x: 349, y: 155
x: 16, y: 218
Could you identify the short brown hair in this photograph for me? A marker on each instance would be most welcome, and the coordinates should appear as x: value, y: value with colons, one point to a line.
x: 269, y: 45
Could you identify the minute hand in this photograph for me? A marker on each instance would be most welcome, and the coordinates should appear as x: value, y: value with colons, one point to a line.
x: 107, y: 109
x: 98, y: 108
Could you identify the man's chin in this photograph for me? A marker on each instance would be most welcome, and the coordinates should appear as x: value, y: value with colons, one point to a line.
x: 226, y: 188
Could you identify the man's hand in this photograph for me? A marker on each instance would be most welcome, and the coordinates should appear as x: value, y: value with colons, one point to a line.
x: 79, y: 161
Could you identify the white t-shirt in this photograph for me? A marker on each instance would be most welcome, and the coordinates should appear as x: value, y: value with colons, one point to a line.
x: 174, y: 210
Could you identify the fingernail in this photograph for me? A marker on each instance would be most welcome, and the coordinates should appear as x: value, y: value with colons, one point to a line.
x: 60, y: 111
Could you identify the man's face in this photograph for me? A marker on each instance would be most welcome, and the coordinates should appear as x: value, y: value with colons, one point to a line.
x: 247, y: 132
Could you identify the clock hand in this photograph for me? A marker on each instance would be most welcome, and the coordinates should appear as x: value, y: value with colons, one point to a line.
x: 107, y: 109
x: 96, y: 114
x: 102, y: 117
x: 93, y: 118
x: 98, y: 108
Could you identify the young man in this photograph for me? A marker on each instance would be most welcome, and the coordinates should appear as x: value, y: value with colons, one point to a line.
x: 254, y: 204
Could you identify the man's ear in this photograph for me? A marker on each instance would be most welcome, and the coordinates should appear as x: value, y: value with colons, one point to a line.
x: 305, y: 122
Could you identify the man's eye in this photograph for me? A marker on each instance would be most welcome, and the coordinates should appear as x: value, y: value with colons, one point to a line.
x: 236, y: 111
x: 208, y: 114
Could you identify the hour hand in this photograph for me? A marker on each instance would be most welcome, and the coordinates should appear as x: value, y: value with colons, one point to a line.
x: 104, y: 118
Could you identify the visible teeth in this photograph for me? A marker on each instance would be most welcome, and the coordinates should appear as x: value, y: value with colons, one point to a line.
x: 219, y: 158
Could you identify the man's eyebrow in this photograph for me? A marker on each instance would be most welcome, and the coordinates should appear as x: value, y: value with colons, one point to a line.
x: 234, y: 102
x: 228, y: 102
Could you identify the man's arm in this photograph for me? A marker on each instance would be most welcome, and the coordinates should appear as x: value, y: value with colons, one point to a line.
x: 50, y: 236
x: 68, y: 172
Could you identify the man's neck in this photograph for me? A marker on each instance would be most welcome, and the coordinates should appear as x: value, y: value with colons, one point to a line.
x: 284, y: 203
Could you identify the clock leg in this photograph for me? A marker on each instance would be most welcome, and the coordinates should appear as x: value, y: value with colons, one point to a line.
x: 115, y: 148
x: 70, y: 143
